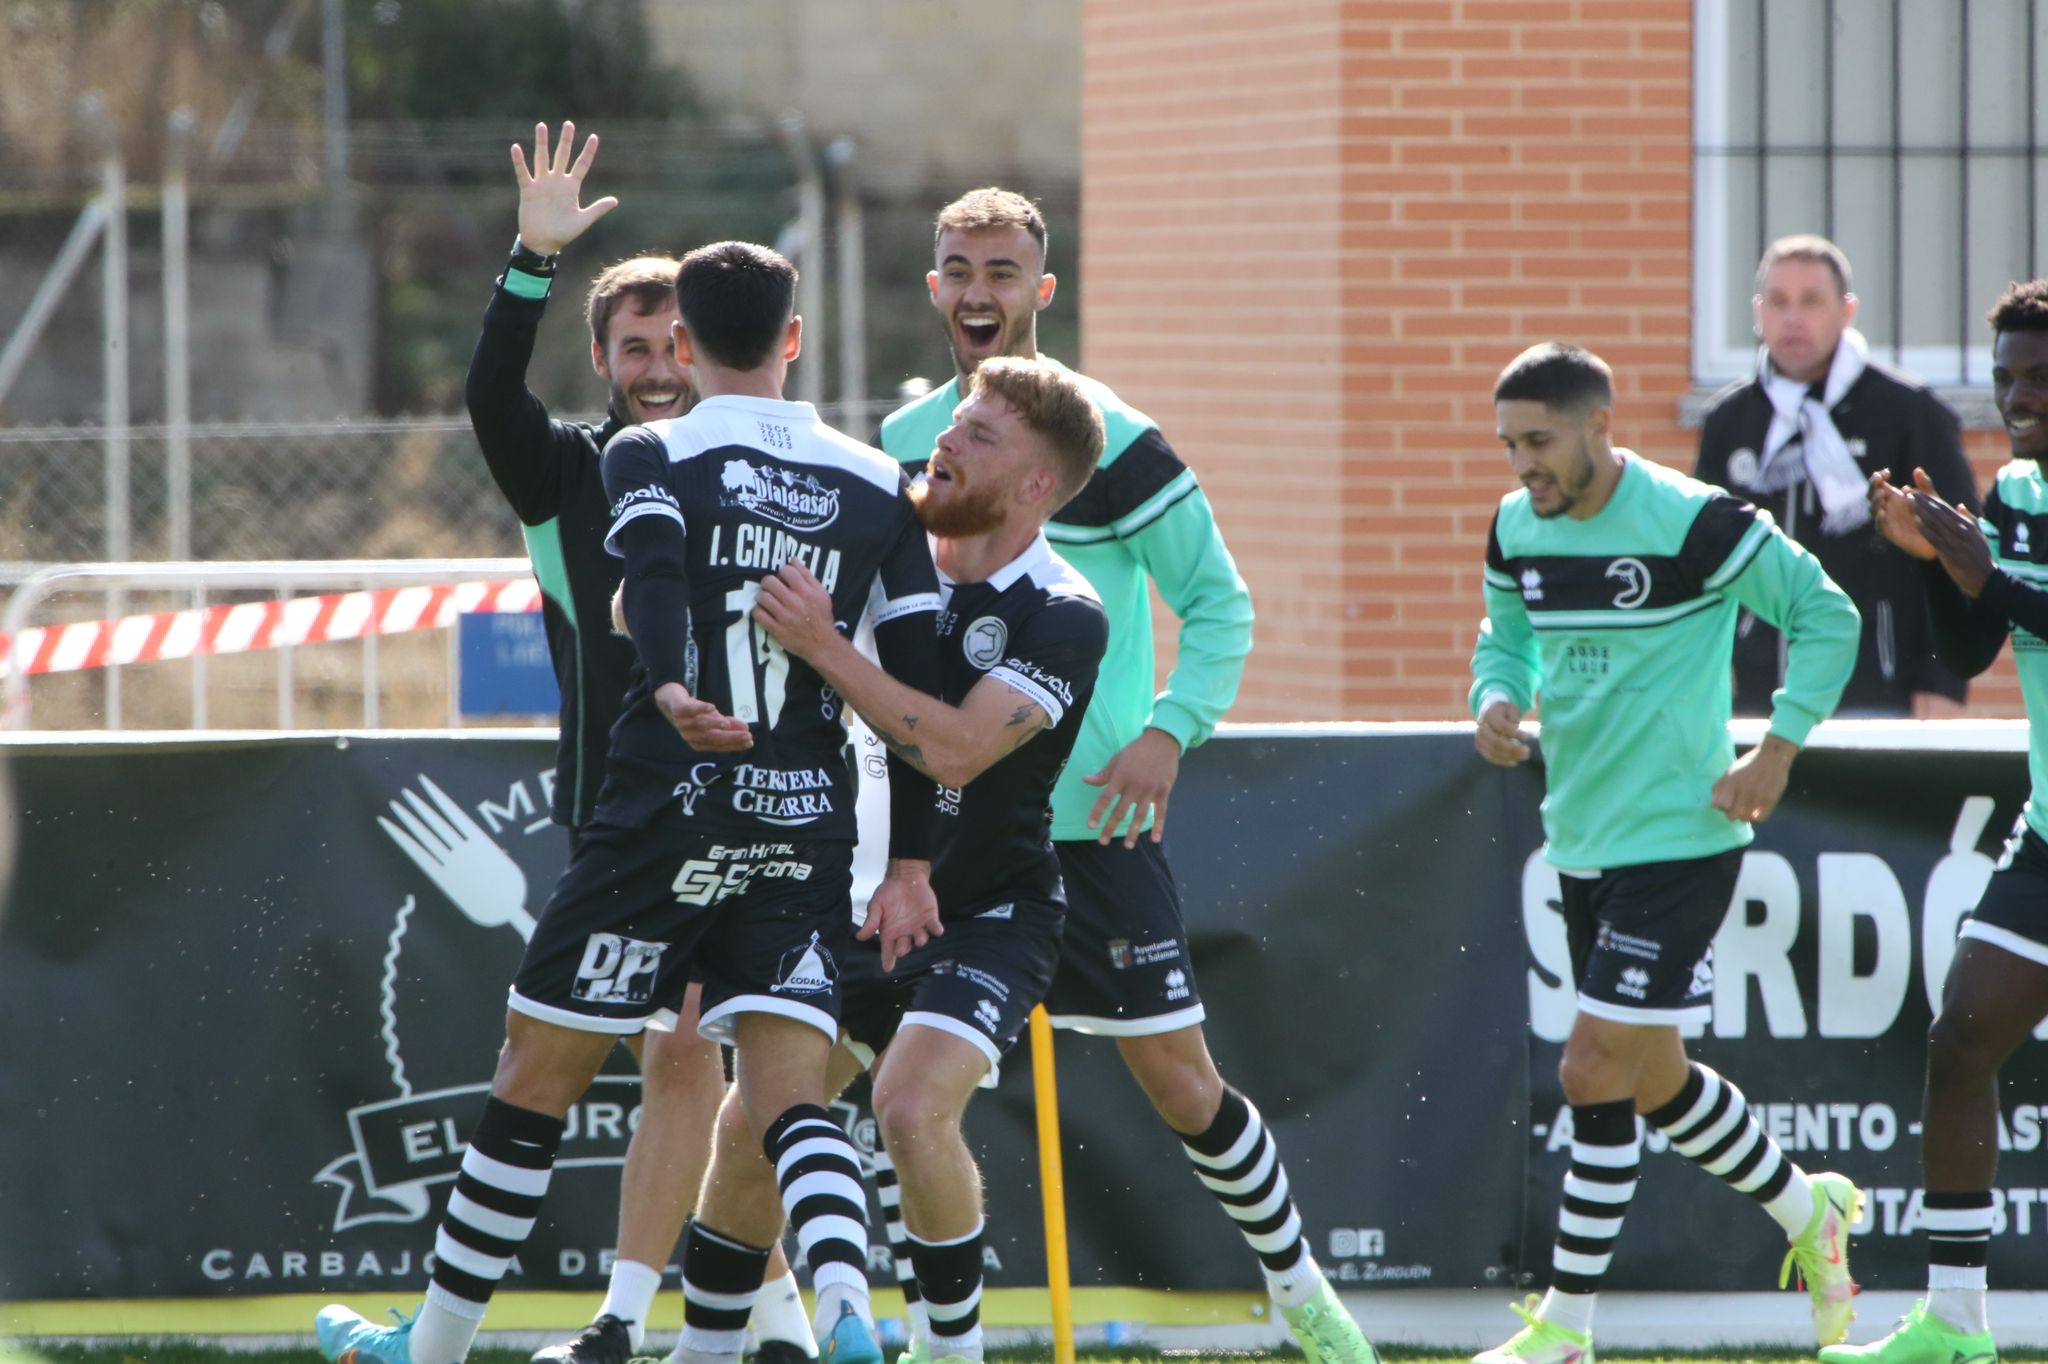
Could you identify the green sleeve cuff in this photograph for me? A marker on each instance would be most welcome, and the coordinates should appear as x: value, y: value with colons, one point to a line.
x: 1170, y: 717
x: 525, y: 285
x: 1790, y: 726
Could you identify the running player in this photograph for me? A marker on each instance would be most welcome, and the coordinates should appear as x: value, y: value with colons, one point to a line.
x: 548, y: 470
x: 1612, y: 586
x: 1978, y: 591
x: 1125, y: 969
x: 723, y: 837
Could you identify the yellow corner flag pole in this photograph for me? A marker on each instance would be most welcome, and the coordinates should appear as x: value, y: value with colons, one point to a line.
x: 1052, y: 1187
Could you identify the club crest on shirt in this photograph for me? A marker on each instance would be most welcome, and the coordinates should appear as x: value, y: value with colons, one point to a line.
x: 1634, y: 576
x: 788, y: 498
x: 984, y: 641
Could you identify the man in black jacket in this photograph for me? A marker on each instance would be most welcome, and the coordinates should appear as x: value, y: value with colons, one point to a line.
x: 549, y: 472
x: 1800, y: 438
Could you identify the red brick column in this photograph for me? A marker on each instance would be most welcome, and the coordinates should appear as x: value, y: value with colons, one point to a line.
x: 1314, y: 231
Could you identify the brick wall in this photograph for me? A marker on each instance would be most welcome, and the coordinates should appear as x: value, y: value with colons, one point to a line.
x: 1315, y: 230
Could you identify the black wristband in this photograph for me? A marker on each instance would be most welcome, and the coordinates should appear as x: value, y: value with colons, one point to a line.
x: 528, y: 261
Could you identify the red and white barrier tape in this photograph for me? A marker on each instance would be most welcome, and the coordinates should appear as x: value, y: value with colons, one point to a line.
x: 257, y: 625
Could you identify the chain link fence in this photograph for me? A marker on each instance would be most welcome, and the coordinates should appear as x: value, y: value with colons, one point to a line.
x: 400, y: 489
x: 373, y: 489
x: 275, y: 491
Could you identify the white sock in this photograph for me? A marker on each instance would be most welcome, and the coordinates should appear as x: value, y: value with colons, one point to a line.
x: 779, y: 1314
x: 631, y: 1297
x: 1573, y: 1311
x: 967, y: 1346
x: 1293, y: 1287
x: 1792, y: 1209
x: 920, y: 1323
x: 679, y: 1355
x: 1955, y: 1293
x: 834, y: 1291
x: 442, y: 1334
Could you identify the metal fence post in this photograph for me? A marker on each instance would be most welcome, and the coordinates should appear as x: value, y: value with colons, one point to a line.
x: 809, y: 377
x: 114, y: 360
x: 850, y: 234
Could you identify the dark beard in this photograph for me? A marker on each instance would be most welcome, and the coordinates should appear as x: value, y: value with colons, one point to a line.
x: 974, y: 514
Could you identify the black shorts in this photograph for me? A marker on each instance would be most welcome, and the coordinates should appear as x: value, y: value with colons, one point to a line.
x: 1642, y: 937
x: 2013, y: 913
x: 1125, y: 969
x: 639, y: 913
x: 979, y: 980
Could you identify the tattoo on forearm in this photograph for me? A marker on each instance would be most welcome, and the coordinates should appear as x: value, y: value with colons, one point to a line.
x: 910, y: 723
x: 903, y: 748
x: 910, y: 753
x: 1028, y: 720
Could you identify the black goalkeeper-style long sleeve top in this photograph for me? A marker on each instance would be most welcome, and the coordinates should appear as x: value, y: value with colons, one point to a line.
x: 549, y: 471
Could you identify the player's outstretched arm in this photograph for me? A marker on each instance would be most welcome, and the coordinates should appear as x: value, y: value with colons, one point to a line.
x: 950, y: 744
x: 525, y: 450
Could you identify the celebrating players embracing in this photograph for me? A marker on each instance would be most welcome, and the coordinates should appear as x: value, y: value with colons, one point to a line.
x: 730, y: 866
x: 1142, y: 522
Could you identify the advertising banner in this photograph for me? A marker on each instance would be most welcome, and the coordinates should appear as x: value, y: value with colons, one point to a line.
x: 255, y: 990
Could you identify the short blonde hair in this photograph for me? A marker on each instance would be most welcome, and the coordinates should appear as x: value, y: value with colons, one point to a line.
x: 1055, y: 405
x: 989, y: 208
x: 649, y: 282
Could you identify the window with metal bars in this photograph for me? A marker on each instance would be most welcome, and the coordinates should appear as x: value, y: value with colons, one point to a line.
x: 1911, y: 132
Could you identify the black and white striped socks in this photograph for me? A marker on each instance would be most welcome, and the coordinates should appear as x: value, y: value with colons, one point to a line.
x: 889, y: 1193
x: 505, y: 1174
x: 818, y: 1170
x: 1958, y: 1253
x: 1237, y: 1160
x: 1712, y: 1125
x: 721, y: 1279
x: 1606, y: 1153
x: 949, y: 1279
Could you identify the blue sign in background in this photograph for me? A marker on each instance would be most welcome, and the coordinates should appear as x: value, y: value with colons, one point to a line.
x: 503, y: 662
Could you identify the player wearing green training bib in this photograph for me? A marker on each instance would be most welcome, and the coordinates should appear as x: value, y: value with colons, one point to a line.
x: 1984, y: 580
x: 1125, y: 970
x: 1612, y: 586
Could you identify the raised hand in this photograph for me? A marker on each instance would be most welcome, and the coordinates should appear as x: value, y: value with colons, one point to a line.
x: 459, y: 857
x: 549, y: 215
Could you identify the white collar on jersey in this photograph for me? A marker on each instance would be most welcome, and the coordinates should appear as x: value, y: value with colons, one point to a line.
x: 771, y: 407
x: 1036, y: 554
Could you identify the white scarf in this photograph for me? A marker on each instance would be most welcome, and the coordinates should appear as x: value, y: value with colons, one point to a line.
x: 1798, y: 414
